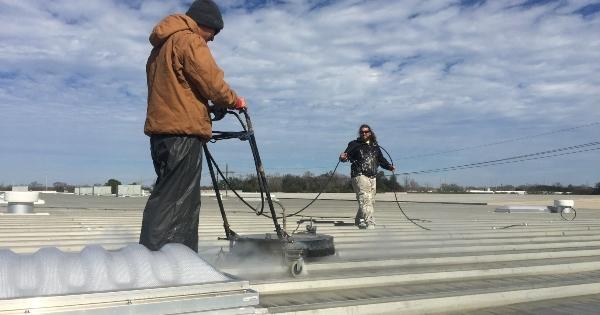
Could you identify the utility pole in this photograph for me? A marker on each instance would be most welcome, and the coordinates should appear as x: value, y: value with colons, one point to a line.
x: 227, y: 172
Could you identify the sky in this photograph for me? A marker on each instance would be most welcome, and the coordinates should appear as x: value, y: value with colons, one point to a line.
x: 442, y: 83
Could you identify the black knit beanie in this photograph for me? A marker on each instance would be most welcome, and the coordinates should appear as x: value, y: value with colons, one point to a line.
x: 206, y: 13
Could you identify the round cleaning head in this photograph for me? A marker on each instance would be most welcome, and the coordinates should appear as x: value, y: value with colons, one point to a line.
x: 311, y: 245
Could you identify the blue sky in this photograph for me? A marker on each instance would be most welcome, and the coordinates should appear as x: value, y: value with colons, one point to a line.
x: 428, y: 76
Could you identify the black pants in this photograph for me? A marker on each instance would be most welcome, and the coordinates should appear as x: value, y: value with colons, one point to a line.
x: 172, y: 211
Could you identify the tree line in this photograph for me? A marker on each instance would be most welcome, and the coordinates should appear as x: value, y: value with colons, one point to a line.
x: 338, y: 183
x: 307, y: 183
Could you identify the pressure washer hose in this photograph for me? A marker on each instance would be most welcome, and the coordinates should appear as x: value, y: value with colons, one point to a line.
x: 260, y: 212
x: 396, y: 196
x: 262, y: 197
x: 256, y: 210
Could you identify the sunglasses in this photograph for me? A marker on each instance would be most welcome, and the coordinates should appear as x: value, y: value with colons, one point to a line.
x: 365, y: 131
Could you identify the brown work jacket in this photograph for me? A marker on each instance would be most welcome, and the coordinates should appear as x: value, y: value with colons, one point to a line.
x: 182, y: 77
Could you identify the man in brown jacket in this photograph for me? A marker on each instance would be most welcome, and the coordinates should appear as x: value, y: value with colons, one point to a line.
x: 182, y: 78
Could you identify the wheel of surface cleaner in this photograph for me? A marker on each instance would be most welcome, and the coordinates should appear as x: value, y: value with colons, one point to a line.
x: 568, y: 213
x: 296, y: 267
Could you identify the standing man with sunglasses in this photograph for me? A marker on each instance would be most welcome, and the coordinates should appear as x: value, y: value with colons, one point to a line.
x: 182, y: 78
x: 365, y: 155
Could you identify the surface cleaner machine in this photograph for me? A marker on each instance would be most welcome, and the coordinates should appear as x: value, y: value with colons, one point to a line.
x: 292, y: 248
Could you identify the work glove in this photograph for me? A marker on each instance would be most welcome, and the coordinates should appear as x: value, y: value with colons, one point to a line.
x: 344, y: 157
x: 240, y: 103
x: 218, y: 112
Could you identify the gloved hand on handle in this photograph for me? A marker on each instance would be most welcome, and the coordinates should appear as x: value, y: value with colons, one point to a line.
x: 218, y: 112
x: 344, y: 157
x: 240, y: 103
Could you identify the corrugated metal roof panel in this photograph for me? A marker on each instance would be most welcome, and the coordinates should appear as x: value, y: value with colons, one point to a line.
x: 473, y: 258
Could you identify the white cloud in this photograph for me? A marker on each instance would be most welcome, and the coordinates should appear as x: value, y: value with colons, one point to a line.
x: 427, y: 75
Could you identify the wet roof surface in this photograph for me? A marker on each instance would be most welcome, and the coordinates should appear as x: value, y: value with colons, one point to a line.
x: 472, y: 260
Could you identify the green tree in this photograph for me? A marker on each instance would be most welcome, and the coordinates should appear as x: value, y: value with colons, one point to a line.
x: 35, y: 186
x: 60, y: 186
x: 451, y: 188
x: 292, y: 183
x: 387, y: 183
x: 114, y: 185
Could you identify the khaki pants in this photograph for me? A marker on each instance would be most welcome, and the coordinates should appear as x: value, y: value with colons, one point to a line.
x: 365, y: 189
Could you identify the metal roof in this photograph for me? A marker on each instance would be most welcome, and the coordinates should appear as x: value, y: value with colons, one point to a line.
x: 473, y: 259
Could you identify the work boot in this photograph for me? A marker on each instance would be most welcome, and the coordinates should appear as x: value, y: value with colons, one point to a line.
x: 370, y: 224
x: 362, y: 224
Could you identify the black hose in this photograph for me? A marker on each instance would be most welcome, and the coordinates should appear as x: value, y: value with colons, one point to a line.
x: 317, y: 197
x: 319, y: 194
x: 261, y: 211
x: 256, y: 211
x: 396, y: 197
x: 262, y: 197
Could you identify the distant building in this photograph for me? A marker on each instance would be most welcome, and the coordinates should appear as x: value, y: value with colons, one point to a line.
x: 477, y: 191
x: 20, y: 188
x: 102, y: 191
x: 489, y: 191
x: 129, y: 191
x: 514, y: 192
x: 84, y: 191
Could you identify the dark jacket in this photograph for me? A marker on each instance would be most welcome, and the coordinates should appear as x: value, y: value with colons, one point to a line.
x: 365, y: 158
x: 182, y: 77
